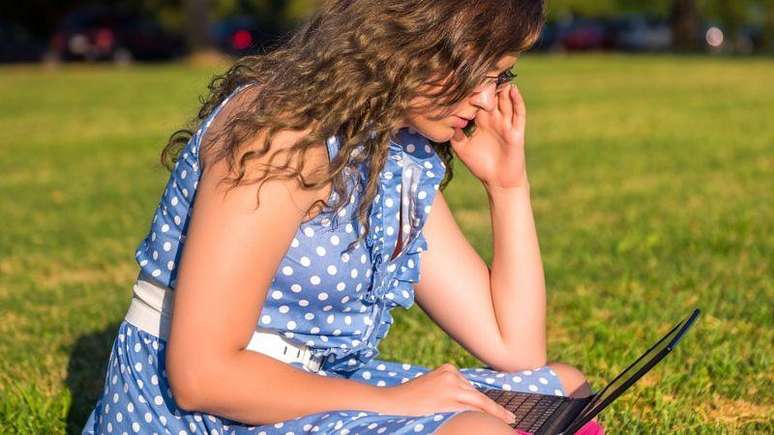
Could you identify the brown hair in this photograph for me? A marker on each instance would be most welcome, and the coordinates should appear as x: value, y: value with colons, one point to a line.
x: 351, y: 70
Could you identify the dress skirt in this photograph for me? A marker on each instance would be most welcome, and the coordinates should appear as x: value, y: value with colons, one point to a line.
x: 137, y: 397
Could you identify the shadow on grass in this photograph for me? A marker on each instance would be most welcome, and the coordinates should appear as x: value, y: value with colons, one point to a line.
x: 86, y: 374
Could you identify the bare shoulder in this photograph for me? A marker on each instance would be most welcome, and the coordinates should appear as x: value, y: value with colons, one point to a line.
x: 315, y: 159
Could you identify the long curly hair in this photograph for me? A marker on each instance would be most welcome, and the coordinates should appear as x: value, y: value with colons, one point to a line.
x: 351, y: 69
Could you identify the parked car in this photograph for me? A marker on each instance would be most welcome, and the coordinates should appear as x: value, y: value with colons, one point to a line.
x: 242, y: 35
x: 636, y: 32
x: 17, y: 45
x: 585, y: 34
x: 548, y: 40
x: 100, y: 33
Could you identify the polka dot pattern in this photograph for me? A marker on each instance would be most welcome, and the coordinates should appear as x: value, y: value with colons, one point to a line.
x: 335, y: 300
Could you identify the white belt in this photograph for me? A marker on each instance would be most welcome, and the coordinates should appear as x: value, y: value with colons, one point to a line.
x: 151, y: 308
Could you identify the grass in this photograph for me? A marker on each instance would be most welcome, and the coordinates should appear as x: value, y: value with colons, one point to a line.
x: 651, y: 183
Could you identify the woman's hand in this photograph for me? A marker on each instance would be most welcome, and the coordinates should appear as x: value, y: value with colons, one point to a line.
x: 494, y: 153
x: 441, y: 390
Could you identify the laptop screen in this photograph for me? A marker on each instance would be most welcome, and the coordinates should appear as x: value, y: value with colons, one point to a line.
x: 634, y: 371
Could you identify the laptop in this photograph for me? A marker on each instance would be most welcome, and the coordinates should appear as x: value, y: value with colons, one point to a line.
x: 543, y: 414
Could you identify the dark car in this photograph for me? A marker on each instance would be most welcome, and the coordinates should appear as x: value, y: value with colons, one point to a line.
x: 586, y: 34
x: 17, y: 45
x: 242, y: 35
x: 548, y: 40
x: 99, y: 33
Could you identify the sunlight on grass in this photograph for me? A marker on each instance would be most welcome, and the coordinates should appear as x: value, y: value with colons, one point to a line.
x: 651, y: 186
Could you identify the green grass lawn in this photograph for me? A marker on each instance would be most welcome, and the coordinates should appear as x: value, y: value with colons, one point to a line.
x: 651, y: 183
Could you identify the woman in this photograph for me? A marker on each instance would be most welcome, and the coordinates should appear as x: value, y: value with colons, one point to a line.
x: 314, y: 170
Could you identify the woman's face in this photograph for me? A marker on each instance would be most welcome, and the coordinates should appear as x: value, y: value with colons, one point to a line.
x: 441, y: 130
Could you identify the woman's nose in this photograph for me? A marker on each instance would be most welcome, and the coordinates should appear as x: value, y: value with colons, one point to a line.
x: 486, y: 99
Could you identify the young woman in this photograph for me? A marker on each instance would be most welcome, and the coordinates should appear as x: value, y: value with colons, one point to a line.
x: 300, y: 210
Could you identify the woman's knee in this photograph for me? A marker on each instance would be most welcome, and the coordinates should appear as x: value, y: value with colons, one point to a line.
x: 572, y: 379
x: 474, y: 422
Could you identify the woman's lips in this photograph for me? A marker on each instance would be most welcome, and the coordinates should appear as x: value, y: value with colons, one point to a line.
x: 460, y: 122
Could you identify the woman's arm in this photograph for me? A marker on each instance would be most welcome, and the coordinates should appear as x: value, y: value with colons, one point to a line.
x: 497, y: 314
x: 231, y: 254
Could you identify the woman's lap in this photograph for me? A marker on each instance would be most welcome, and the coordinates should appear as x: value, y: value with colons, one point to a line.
x: 137, y: 397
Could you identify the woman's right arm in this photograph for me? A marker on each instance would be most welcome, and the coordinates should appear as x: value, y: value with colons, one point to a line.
x: 231, y: 254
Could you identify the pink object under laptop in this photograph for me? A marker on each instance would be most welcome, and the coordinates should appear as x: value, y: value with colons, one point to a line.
x: 590, y: 428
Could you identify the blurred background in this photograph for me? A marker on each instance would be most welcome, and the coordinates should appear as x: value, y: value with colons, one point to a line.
x: 146, y: 30
x: 650, y: 154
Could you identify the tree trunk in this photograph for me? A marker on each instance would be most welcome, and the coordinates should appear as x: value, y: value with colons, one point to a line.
x: 684, y: 21
x: 197, y: 24
x: 768, y: 27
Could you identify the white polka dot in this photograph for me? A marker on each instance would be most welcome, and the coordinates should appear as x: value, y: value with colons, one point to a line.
x: 533, y: 387
x: 291, y: 325
x: 294, y: 243
x: 308, y: 232
x: 266, y: 319
x: 320, y: 251
x: 418, y: 427
x: 170, y: 265
x: 119, y: 417
x: 284, y: 309
x: 341, y: 286
x: 314, y: 279
x: 164, y: 228
x: 287, y: 271
x: 167, y: 246
x: 136, y: 427
x: 422, y: 195
x: 138, y: 367
x: 276, y: 294
x: 335, y: 240
x: 353, y: 273
x: 322, y: 296
x: 331, y: 270
x: 543, y: 381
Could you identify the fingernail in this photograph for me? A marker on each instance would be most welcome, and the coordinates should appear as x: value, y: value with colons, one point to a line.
x: 513, y: 418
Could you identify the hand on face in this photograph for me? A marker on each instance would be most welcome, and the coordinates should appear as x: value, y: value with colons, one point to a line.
x: 494, y: 153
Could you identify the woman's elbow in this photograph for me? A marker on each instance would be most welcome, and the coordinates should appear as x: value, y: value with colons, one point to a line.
x: 189, y: 381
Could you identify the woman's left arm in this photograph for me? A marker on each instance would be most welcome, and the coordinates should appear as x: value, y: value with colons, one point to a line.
x: 497, y: 313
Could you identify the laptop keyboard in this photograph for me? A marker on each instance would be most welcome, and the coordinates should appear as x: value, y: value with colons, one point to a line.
x: 532, y: 410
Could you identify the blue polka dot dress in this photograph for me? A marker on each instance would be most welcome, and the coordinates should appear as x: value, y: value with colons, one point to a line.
x: 336, y: 301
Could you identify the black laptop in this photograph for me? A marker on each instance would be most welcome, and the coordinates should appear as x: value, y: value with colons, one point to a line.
x: 542, y: 414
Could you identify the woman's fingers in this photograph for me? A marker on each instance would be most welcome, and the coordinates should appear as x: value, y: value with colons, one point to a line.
x: 520, y: 109
x: 505, y: 104
x: 482, y: 402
